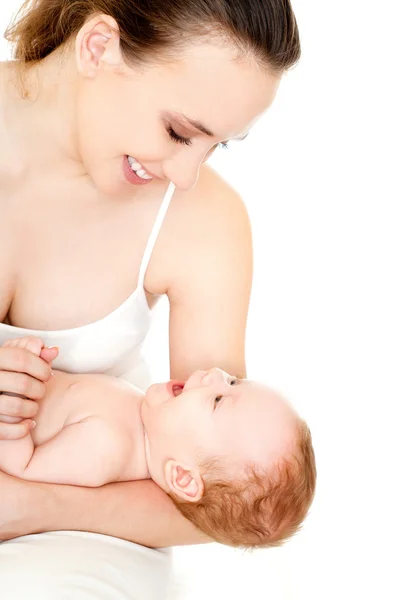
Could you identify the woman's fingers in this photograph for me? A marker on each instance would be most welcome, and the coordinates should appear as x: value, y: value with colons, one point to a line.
x: 21, y: 361
x: 16, y: 431
x: 16, y: 416
x: 22, y: 377
x: 14, y: 407
x: 22, y: 385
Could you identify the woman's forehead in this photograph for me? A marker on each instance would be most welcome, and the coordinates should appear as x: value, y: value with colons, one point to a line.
x: 212, y: 88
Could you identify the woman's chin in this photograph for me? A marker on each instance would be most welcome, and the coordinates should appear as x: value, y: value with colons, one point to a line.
x: 107, y: 187
x: 105, y: 180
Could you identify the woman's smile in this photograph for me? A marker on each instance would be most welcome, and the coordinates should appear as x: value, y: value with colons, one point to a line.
x: 134, y: 173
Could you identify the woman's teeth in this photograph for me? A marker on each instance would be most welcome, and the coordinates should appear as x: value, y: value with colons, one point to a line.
x: 137, y: 168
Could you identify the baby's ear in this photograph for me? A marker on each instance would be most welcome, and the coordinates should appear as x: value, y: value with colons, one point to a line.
x: 183, y: 481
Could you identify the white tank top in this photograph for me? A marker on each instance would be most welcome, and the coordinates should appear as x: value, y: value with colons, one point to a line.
x: 111, y: 345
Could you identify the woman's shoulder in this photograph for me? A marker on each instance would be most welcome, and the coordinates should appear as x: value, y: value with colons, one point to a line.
x: 212, y: 202
x: 210, y: 186
x: 202, y: 226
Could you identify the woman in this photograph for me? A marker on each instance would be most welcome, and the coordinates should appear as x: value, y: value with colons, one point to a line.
x: 106, y: 121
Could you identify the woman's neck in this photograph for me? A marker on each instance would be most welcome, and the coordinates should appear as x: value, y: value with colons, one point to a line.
x: 40, y: 112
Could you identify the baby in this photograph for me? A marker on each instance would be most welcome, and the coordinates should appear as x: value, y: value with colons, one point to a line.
x: 233, y: 455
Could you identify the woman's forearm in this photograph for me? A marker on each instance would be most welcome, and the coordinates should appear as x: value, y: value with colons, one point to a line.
x: 137, y: 511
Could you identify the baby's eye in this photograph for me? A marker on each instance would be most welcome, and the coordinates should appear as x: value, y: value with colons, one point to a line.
x: 232, y: 381
x: 217, y: 400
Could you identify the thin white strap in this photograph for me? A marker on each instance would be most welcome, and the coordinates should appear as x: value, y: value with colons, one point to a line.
x: 155, y: 232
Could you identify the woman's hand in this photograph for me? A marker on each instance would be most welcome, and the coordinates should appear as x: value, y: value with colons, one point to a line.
x: 22, y: 377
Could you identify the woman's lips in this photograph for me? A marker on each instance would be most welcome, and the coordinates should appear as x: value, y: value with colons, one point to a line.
x: 132, y: 177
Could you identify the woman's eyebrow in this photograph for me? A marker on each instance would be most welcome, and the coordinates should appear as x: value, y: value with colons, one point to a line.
x: 197, y: 125
x: 203, y: 129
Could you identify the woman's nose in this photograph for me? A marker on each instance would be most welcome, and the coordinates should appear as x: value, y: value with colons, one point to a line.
x: 183, y: 170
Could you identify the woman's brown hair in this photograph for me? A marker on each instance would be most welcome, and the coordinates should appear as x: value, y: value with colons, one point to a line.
x: 266, y: 28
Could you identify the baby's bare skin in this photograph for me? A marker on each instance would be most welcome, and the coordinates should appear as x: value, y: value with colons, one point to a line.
x: 95, y: 429
x: 88, y: 432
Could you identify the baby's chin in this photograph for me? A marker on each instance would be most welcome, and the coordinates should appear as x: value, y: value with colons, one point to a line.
x: 154, y: 394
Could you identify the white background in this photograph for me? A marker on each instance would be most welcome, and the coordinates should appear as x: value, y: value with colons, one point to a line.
x: 320, y: 176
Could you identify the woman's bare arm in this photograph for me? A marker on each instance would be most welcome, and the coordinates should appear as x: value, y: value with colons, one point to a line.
x: 211, y: 284
x: 138, y: 511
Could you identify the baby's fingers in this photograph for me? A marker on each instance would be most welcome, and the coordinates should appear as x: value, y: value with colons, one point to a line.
x: 32, y: 344
x: 49, y: 354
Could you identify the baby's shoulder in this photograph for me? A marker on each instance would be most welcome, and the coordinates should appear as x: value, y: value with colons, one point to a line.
x: 104, y: 396
x: 105, y: 385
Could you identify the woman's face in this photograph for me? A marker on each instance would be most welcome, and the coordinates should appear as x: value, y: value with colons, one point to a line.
x: 167, y: 117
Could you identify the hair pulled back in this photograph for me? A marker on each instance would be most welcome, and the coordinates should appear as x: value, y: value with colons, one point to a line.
x: 266, y: 28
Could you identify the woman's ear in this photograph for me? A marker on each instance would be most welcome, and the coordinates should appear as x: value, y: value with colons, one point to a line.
x: 97, y: 44
x: 184, y: 482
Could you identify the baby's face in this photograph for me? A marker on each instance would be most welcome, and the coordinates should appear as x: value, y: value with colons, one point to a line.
x: 215, y: 415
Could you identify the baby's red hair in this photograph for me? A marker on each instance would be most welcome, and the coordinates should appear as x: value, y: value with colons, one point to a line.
x: 262, y: 509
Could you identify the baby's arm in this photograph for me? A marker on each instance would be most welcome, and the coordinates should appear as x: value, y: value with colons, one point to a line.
x: 87, y: 453
x: 90, y: 452
x: 15, y: 454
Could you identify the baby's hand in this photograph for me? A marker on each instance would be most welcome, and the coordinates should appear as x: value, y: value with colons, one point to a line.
x: 34, y: 345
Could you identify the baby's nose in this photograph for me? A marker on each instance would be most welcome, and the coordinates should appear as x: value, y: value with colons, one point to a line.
x: 213, y: 376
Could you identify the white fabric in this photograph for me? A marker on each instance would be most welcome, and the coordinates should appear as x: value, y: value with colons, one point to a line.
x: 81, y: 566
x: 85, y: 566
x: 155, y: 232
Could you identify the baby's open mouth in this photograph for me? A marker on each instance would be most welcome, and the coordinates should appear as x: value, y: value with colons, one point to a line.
x: 177, y: 388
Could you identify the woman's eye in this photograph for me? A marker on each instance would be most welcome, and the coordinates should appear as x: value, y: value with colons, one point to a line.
x: 178, y: 138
